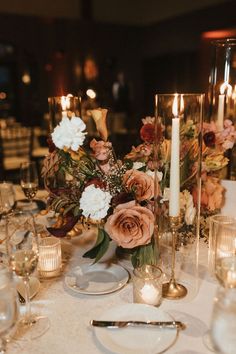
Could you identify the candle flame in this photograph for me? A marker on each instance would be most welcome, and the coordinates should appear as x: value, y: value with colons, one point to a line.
x: 175, y: 106
x: 226, y: 87
x: 65, y: 102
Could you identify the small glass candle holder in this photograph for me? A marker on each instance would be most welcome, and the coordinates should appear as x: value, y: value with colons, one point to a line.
x: 49, y: 257
x: 147, y: 285
x: 222, y: 243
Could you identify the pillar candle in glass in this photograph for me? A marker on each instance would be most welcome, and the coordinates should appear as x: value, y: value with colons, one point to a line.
x: 49, y: 257
x: 147, y: 285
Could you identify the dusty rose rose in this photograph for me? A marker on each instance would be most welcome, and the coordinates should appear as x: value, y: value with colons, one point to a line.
x: 130, y: 225
x: 101, y: 149
x: 99, y: 116
x: 215, y: 193
x: 140, y: 183
x: 141, y: 152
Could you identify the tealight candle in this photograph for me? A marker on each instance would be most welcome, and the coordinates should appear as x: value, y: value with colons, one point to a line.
x: 49, y: 257
x: 147, y: 285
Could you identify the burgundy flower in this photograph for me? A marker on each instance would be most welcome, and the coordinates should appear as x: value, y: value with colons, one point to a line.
x: 147, y: 133
x: 51, y: 145
x: 121, y: 198
x: 97, y: 182
x: 209, y: 139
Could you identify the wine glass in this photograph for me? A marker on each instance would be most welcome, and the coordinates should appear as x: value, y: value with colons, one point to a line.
x: 8, y: 306
x: 22, y: 250
x: 223, y: 323
x: 29, y: 180
x: 222, y: 259
x: 7, y: 197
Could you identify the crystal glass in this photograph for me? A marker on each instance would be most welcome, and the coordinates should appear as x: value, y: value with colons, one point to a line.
x: 222, y: 246
x: 49, y: 257
x: 29, y: 180
x: 221, y: 100
x: 22, y: 250
x: 7, y: 197
x: 8, y: 306
x: 178, y: 179
x: 223, y: 323
x: 147, y: 285
x: 63, y: 106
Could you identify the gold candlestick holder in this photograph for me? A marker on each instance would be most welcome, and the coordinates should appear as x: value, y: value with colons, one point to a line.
x: 173, y: 290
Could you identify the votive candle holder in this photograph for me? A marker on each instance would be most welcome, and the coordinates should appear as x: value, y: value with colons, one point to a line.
x: 147, y: 285
x: 50, y: 259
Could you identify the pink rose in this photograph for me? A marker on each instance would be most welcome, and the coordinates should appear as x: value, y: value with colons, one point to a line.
x: 101, y: 149
x: 140, y: 183
x: 130, y: 225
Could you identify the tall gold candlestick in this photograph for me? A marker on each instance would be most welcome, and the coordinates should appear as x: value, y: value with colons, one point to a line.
x: 173, y: 290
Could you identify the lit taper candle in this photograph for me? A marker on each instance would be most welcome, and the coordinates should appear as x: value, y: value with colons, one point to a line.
x: 174, y: 163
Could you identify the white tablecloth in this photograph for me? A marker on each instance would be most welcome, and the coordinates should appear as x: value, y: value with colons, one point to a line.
x: 70, y: 312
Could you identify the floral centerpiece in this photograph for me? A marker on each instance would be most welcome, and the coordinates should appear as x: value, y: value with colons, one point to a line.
x: 87, y: 184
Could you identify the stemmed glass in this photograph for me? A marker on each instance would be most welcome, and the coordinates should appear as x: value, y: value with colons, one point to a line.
x: 223, y: 323
x: 8, y: 306
x: 7, y: 197
x: 222, y: 259
x: 22, y: 250
x: 29, y: 180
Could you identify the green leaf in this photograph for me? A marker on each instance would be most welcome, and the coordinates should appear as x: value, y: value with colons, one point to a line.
x: 100, y: 247
x: 77, y: 211
x: 144, y: 255
x: 68, y: 208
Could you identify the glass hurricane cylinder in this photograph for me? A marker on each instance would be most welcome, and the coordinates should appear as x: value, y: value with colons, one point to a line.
x: 222, y: 90
x: 178, y: 182
x: 63, y: 106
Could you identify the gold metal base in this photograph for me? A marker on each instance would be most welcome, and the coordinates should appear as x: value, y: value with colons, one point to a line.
x: 173, y: 290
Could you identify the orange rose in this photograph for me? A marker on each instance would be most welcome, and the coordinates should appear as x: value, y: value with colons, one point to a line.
x: 130, y: 225
x: 140, y: 183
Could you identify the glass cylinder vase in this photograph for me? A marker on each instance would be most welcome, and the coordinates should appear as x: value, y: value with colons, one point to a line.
x: 178, y: 186
x: 222, y: 93
x: 63, y: 106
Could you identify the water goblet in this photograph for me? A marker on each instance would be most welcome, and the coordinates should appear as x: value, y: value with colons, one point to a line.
x: 22, y: 250
x: 8, y: 307
x: 29, y: 180
x: 223, y: 323
x: 7, y: 197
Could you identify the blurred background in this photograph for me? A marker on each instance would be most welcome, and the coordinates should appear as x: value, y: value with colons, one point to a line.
x: 116, y: 54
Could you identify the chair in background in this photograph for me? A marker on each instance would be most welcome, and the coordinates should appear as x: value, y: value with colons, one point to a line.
x: 15, y: 148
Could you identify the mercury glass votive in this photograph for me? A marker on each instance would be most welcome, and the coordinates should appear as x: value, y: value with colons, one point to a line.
x: 49, y: 257
x: 147, y: 285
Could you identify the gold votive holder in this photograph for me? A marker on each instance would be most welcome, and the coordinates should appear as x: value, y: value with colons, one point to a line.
x: 49, y: 257
x: 147, y: 285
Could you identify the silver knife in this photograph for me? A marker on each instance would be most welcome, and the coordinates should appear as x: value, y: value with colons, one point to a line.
x: 121, y: 324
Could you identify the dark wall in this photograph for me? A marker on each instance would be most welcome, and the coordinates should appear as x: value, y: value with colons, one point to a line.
x: 160, y: 58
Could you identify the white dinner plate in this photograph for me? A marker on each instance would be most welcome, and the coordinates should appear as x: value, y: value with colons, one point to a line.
x: 97, y: 279
x: 136, y: 340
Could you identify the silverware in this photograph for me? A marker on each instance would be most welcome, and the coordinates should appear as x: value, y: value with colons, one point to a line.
x: 121, y: 324
x: 21, y: 298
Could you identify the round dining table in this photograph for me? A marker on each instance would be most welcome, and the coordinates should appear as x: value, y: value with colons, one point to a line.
x: 70, y: 312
